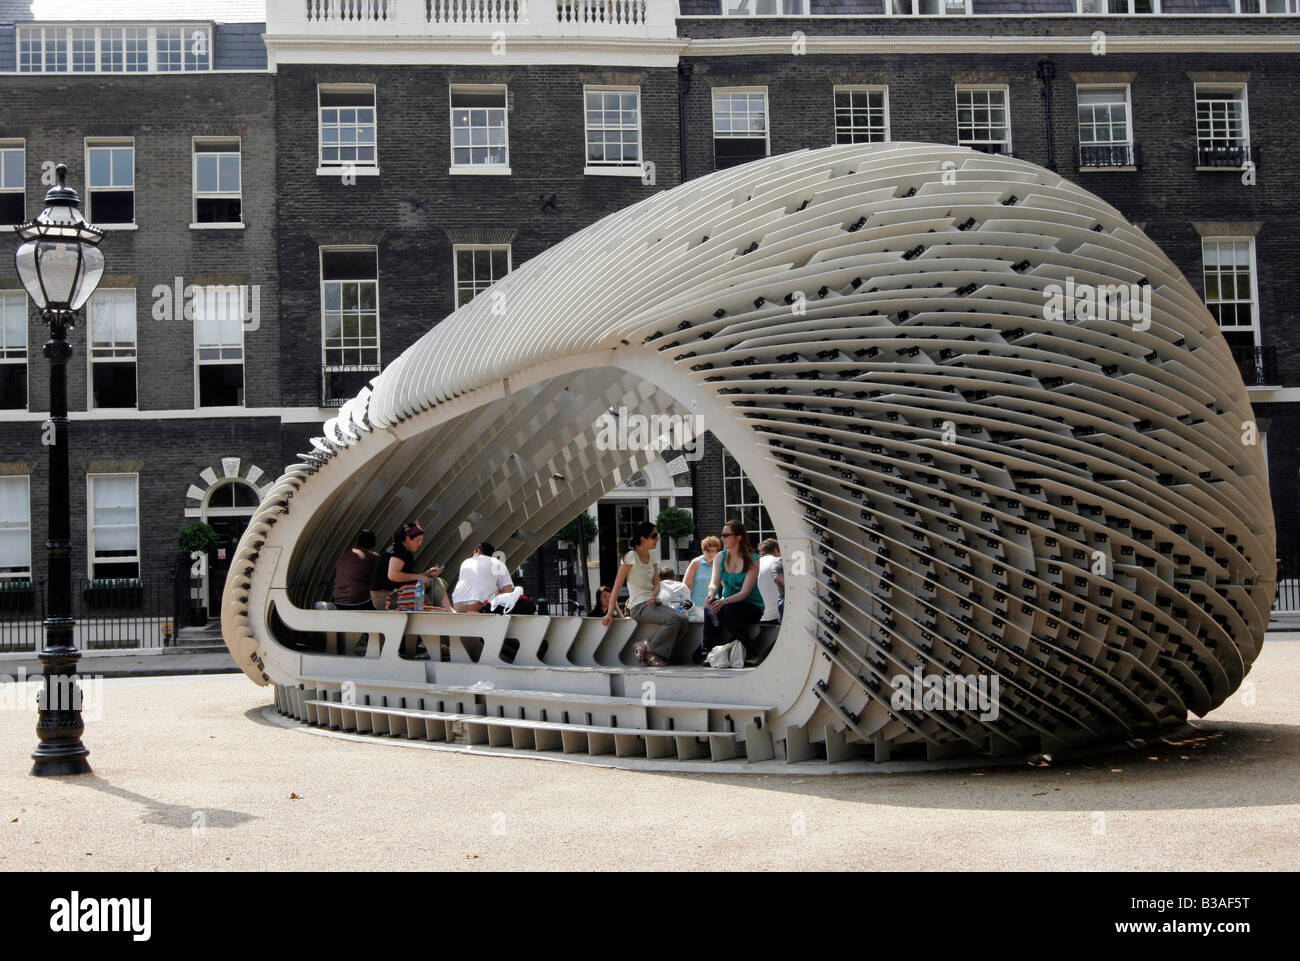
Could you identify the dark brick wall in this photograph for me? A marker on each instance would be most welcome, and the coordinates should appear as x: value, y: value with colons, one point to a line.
x: 162, y: 113
x: 416, y: 278
x: 54, y: 113
x: 164, y: 453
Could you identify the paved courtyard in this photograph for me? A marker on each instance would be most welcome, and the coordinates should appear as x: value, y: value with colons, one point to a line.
x: 191, y: 774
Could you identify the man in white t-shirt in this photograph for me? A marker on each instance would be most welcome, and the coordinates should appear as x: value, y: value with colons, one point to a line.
x: 482, y: 577
x: 771, y: 583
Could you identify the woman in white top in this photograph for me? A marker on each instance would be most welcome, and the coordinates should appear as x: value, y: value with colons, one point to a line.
x: 642, y: 578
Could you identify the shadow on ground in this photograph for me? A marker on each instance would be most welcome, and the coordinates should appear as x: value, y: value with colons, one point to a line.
x: 168, y: 815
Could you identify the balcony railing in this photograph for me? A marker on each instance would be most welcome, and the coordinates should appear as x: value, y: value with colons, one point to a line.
x: 477, y: 11
x: 350, y: 11
x: 1108, y: 155
x: 1258, y: 365
x: 1234, y: 157
x: 601, y: 11
x: 397, y: 19
x: 340, y: 384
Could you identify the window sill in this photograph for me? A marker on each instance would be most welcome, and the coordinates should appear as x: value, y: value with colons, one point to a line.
x: 217, y: 226
x: 1220, y: 170
x: 1108, y: 170
x: 637, y: 171
x: 483, y: 171
x: 344, y: 171
x: 115, y: 226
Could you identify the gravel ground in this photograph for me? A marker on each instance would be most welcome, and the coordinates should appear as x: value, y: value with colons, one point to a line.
x: 190, y: 775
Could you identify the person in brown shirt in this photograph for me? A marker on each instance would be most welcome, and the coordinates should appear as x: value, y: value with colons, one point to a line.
x: 352, y: 574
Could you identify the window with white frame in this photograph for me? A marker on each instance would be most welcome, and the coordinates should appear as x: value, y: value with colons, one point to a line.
x: 478, y: 267
x: 15, y: 528
x: 1230, y: 288
x: 984, y: 119
x: 861, y: 114
x: 479, y: 135
x: 120, y: 48
x: 613, y: 120
x: 112, y: 349
x: 219, y: 346
x: 113, y: 501
x: 13, y: 350
x: 13, y: 182
x: 740, y: 132
x: 1222, y: 125
x: 741, y: 500
x: 1105, y: 131
x: 217, y: 181
x: 929, y: 8
x: 1268, y: 6
x: 347, y: 125
x: 1107, y: 7
x: 350, y: 321
x: 765, y: 8
x: 110, y: 182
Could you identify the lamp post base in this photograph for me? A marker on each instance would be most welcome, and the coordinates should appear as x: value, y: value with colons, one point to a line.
x: 53, y: 767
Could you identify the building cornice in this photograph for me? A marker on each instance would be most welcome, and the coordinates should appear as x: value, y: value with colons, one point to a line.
x: 1084, y: 43
x: 647, y: 52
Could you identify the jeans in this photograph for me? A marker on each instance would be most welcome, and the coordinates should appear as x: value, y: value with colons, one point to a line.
x: 674, y: 626
x: 733, y: 621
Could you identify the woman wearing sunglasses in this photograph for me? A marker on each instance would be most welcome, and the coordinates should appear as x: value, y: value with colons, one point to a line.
x: 734, y: 601
x: 642, y: 578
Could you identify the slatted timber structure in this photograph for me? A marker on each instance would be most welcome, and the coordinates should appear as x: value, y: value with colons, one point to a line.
x: 965, y: 483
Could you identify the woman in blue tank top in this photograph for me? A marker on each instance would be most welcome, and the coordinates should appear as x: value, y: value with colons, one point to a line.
x: 734, y: 600
x: 700, y: 571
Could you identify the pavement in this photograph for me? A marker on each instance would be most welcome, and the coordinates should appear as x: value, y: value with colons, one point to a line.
x: 200, y: 773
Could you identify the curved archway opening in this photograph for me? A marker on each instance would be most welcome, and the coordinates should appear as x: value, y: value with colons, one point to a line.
x: 493, y: 470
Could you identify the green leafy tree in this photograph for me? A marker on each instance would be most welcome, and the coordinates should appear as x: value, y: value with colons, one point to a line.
x: 675, y: 523
x: 197, y: 536
x: 583, y: 527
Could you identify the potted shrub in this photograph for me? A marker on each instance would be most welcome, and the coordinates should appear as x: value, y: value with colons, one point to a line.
x: 201, y: 539
x: 115, y: 592
x: 676, y: 524
x: 581, y: 530
x: 17, y: 595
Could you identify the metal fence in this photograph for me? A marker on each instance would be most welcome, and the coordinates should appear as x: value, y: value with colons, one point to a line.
x: 1288, y: 583
x: 139, y: 612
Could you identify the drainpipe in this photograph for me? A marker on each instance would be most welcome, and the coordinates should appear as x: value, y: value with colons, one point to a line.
x: 1046, y: 71
x: 684, y: 71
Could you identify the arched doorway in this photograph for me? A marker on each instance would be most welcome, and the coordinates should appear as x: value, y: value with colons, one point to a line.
x: 227, y: 508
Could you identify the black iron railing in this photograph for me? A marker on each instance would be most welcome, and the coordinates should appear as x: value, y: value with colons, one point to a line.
x: 1108, y: 155
x: 119, y: 613
x: 1288, y: 582
x: 1258, y: 365
x: 1226, y: 155
x: 340, y: 384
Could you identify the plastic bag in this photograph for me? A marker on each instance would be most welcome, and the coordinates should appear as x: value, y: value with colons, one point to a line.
x: 731, y: 654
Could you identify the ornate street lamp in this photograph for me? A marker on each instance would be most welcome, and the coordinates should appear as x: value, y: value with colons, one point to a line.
x: 60, y: 265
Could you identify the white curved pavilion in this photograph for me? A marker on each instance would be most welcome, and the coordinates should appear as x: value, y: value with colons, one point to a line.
x: 965, y: 481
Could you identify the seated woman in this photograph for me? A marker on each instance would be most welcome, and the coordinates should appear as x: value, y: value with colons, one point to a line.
x: 638, y: 570
x: 395, y: 569
x: 734, y: 600
x: 700, y: 570
x: 602, y: 602
x: 698, y: 573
